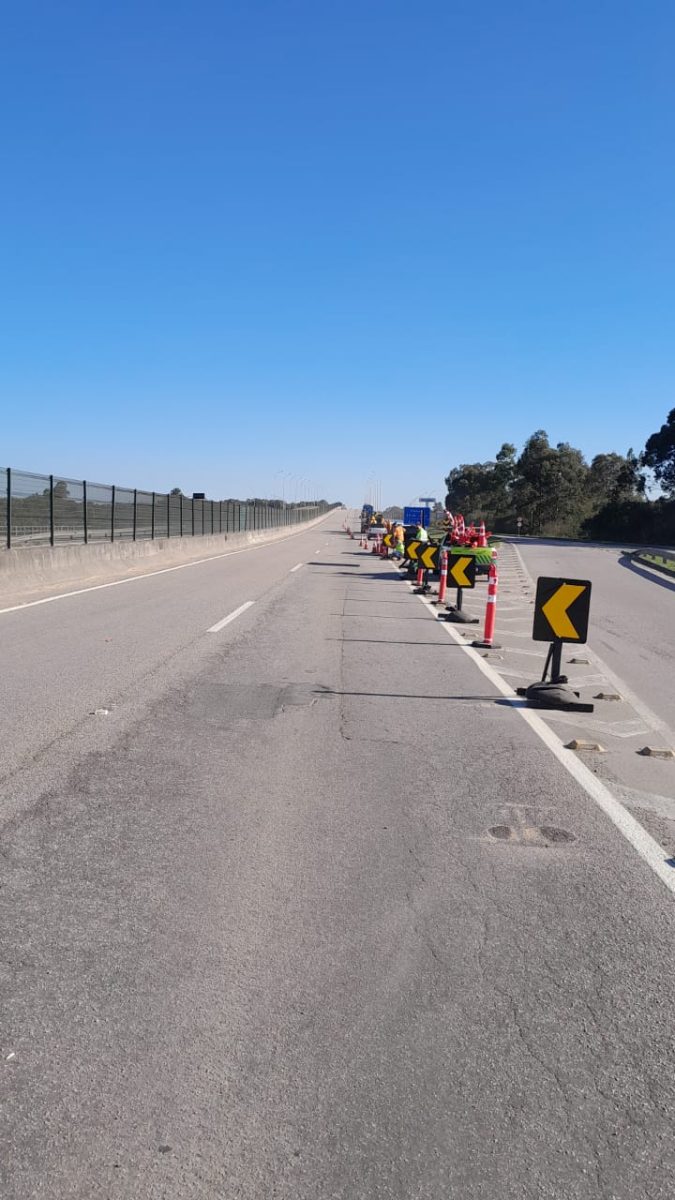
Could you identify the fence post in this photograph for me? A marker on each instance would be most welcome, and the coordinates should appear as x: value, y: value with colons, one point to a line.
x: 9, y: 508
x: 85, y: 526
x: 51, y: 510
x: 152, y: 520
x: 112, y: 515
x: 181, y: 514
x: 168, y: 514
x: 135, y: 512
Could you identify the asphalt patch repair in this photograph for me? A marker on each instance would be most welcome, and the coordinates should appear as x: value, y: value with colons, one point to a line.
x: 531, y: 835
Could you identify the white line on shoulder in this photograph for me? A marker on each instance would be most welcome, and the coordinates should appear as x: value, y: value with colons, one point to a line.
x: 648, y: 849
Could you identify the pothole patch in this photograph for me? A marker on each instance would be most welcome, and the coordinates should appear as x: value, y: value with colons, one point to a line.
x: 554, y: 835
x: 501, y: 832
x: 532, y: 835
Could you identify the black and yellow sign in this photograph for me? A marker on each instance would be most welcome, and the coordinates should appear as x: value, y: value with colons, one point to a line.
x: 461, y: 570
x: 388, y: 540
x: 428, y: 557
x: 411, y: 549
x: 561, y: 610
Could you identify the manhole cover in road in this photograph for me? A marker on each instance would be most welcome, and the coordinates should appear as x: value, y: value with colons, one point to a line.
x: 531, y: 835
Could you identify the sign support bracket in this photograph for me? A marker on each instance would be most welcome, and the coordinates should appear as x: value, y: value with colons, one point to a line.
x: 554, y: 692
x: 456, y: 613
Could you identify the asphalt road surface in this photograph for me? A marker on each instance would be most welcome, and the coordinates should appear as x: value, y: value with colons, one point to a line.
x: 311, y: 912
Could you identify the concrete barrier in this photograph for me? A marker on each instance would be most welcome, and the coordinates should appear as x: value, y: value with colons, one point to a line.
x: 28, y: 570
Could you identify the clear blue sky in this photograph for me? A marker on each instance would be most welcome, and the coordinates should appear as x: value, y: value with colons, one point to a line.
x: 296, y: 235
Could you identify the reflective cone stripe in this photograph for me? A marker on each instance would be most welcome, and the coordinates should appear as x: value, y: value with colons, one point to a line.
x: 442, y: 587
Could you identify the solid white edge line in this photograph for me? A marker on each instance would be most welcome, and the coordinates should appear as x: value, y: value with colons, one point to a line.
x: 641, y: 841
x: 648, y: 716
x: 231, y: 617
x: 98, y: 587
x: 296, y: 568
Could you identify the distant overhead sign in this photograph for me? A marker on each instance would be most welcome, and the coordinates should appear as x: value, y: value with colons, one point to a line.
x: 427, y: 499
x: 416, y: 516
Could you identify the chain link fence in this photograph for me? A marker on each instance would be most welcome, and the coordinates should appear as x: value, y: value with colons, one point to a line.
x: 47, y: 510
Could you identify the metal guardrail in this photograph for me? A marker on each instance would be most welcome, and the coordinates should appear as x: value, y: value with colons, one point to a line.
x: 49, y: 510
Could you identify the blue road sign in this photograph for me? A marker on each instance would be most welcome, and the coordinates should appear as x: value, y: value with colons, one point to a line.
x: 417, y: 516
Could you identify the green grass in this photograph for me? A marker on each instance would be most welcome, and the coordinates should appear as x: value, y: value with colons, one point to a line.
x: 665, y: 564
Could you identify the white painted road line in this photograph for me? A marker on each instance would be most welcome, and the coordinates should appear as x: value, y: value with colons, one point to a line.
x: 648, y: 715
x: 295, y: 568
x: 648, y: 849
x: 232, y: 617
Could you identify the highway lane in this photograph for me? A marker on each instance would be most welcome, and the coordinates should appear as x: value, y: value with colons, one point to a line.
x: 62, y: 661
x: 632, y: 615
x: 268, y: 941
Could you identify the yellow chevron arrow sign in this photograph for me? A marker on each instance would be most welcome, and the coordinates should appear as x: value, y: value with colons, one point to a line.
x: 555, y: 610
x: 412, y: 548
x: 429, y: 558
x: 553, y: 620
x: 462, y: 570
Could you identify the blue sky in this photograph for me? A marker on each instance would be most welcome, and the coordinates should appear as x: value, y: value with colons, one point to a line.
x: 339, y: 241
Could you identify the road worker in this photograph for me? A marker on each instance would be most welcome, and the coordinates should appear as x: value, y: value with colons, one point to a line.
x: 398, y: 537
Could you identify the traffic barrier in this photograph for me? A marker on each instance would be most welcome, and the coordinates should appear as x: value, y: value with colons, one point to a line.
x: 488, y: 642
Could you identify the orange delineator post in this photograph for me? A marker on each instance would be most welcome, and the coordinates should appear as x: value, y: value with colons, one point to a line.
x: 442, y: 587
x: 420, y: 576
x: 490, y: 609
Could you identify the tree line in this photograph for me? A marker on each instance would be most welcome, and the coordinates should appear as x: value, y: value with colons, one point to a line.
x: 553, y: 491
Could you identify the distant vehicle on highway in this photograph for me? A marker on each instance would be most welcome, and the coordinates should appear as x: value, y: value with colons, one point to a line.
x: 366, y: 514
x: 375, y: 531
